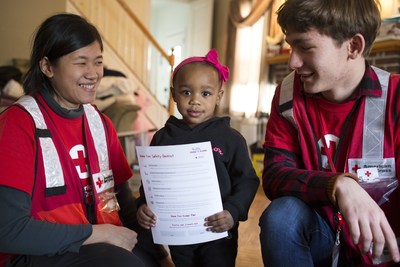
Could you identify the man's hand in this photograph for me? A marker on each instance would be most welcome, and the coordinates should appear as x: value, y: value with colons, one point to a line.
x: 367, y: 222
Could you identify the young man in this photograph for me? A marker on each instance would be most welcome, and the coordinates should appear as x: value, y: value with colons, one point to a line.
x: 334, y: 121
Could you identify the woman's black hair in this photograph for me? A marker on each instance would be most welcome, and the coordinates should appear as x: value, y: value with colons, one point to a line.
x: 57, y: 36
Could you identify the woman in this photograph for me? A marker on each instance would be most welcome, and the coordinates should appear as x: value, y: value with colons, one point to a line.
x: 61, y: 161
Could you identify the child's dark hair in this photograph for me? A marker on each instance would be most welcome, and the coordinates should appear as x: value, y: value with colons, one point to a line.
x: 57, y: 36
x: 337, y: 19
x: 211, y: 59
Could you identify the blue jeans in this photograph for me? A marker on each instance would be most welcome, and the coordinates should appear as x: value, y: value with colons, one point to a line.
x: 294, y: 235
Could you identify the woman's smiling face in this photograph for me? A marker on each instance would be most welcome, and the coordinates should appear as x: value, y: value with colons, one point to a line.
x: 75, y: 76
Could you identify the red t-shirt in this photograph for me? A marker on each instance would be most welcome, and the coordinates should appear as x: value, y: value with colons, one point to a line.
x: 18, y: 148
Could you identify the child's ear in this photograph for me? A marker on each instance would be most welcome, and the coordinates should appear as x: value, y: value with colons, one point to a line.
x: 356, y: 46
x: 220, y: 94
x: 172, y: 92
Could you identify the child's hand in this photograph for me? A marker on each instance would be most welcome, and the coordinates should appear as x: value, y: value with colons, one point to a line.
x: 146, y: 217
x: 219, y: 222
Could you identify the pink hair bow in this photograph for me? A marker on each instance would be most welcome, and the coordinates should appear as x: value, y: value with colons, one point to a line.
x: 212, y: 59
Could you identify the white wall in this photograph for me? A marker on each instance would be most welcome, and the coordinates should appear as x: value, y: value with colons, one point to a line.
x: 187, y: 24
x: 200, y: 33
x: 169, y: 21
x: 18, y: 21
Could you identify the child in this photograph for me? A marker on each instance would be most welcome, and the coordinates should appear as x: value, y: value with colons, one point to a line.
x: 333, y: 115
x: 197, y: 90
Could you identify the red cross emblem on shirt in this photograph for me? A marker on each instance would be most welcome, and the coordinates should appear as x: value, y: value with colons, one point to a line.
x: 368, y: 173
x: 80, y: 162
x: 99, y: 182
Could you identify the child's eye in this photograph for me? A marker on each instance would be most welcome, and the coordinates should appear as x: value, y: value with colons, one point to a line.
x: 186, y: 92
x: 206, y: 93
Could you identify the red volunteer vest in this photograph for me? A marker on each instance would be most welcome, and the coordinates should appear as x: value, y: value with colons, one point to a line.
x: 58, y: 193
x: 293, y: 108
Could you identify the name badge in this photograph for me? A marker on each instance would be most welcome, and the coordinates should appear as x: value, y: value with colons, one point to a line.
x: 103, y: 181
x: 368, y: 175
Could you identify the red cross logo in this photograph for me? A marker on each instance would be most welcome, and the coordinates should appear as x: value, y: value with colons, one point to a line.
x: 99, y: 182
x: 79, y: 159
x: 368, y: 173
x: 355, y: 168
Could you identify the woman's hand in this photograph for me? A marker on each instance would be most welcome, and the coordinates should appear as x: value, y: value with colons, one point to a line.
x: 115, y: 235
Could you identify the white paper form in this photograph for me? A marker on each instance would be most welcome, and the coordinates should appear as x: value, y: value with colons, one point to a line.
x: 181, y: 187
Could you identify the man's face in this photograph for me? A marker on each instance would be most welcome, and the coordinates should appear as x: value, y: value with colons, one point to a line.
x: 323, y: 64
